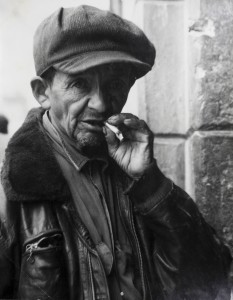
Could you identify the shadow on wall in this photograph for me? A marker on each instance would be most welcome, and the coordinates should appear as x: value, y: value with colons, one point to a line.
x: 4, y: 137
x: 3, y: 124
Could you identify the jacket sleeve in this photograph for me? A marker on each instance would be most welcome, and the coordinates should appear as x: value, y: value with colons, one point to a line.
x: 8, y: 257
x: 190, y: 260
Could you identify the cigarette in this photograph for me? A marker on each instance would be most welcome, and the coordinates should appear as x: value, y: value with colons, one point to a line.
x: 115, y: 130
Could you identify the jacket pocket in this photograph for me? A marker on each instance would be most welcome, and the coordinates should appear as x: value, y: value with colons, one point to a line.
x: 43, y: 272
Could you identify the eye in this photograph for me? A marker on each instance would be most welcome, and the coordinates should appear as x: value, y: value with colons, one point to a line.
x: 81, y: 83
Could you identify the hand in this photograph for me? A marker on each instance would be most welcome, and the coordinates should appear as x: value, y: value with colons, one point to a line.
x: 134, y: 153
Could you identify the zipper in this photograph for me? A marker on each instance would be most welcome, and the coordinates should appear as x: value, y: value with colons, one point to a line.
x: 34, y: 247
x: 29, y: 249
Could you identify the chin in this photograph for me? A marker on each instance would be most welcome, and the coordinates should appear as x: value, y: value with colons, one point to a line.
x: 91, y: 144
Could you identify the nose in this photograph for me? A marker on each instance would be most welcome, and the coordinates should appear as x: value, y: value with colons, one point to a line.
x: 97, y: 100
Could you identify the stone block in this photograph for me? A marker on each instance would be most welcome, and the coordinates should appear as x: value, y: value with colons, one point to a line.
x: 212, y: 179
x: 170, y: 158
x: 211, y: 60
x: 162, y: 91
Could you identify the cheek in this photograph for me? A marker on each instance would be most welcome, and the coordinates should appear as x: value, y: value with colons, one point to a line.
x: 58, y: 108
x: 118, y: 103
x: 118, y: 99
x: 76, y: 108
x: 117, y: 108
x: 62, y: 104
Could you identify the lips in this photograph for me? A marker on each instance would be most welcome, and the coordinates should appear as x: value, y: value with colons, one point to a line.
x: 93, y: 124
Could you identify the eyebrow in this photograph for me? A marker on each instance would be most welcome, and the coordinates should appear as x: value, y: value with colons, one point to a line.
x: 72, y: 77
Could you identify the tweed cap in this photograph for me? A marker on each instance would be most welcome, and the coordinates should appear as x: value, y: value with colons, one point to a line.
x: 77, y: 38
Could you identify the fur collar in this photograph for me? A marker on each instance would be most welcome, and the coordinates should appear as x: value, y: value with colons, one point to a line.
x: 30, y: 171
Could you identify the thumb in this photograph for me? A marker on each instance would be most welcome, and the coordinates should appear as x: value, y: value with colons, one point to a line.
x: 111, y: 139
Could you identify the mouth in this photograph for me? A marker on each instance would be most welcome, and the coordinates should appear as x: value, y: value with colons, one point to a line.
x: 93, y: 125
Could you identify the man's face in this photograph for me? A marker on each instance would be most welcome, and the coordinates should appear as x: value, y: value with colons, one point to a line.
x: 79, y: 104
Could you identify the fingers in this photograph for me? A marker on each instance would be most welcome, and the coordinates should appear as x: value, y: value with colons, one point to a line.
x: 112, y: 140
x: 131, y: 127
x: 118, y: 120
x: 137, y: 125
x: 115, y: 130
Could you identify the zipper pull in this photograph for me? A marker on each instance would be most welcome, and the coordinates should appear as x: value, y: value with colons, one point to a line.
x: 29, y: 249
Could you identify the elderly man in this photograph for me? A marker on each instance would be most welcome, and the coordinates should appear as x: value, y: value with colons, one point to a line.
x: 87, y: 212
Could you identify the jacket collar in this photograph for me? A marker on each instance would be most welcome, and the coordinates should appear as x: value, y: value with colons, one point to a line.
x: 30, y: 171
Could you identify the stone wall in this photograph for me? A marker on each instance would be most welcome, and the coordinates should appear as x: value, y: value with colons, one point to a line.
x: 187, y: 99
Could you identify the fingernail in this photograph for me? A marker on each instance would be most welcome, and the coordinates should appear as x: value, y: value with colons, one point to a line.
x: 127, y: 120
x: 111, y: 118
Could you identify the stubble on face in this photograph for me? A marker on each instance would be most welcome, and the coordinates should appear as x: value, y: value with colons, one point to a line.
x: 72, y: 111
x: 89, y: 142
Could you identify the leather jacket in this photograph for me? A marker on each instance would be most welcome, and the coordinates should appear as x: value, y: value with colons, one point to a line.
x: 46, y: 252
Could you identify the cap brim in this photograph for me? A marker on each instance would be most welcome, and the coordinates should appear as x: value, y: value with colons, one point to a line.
x: 89, y: 60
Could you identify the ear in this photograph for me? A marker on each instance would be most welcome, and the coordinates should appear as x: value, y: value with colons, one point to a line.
x: 40, y: 91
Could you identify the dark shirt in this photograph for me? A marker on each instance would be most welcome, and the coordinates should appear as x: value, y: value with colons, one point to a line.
x: 92, y: 187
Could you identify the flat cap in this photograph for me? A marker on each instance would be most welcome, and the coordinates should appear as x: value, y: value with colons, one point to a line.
x: 77, y: 38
